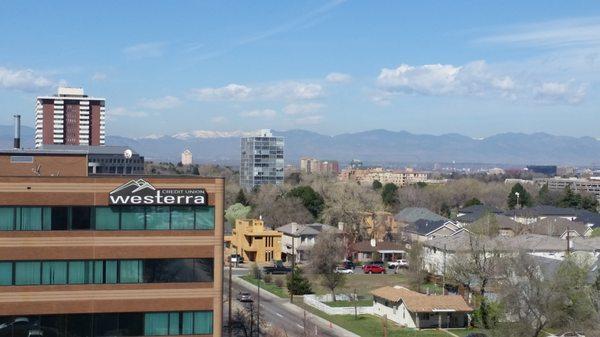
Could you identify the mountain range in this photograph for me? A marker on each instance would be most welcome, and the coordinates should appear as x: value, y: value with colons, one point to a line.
x: 373, y: 147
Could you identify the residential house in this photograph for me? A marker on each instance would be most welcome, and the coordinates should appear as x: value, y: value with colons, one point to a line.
x: 255, y: 243
x: 419, y: 311
x: 423, y: 229
x: 365, y: 251
x: 473, y: 213
x: 559, y: 227
x: 411, y: 214
x: 298, y: 239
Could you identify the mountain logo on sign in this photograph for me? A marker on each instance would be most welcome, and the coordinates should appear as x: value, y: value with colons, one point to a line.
x: 138, y: 185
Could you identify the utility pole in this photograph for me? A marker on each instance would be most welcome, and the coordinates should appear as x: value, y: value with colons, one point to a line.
x: 258, y: 305
x: 444, y: 273
x: 355, y: 305
x: 229, y: 304
x: 251, y: 319
x: 293, y: 262
x: 384, y: 322
x: 304, y: 324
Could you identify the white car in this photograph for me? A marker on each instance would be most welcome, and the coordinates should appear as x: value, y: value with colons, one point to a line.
x: 401, y: 263
x: 572, y: 334
x: 340, y: 270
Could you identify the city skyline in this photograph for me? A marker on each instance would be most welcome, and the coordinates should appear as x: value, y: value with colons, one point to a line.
x: 416, y: 67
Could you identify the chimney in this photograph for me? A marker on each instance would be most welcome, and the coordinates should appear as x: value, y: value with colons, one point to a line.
x: 17, y: 143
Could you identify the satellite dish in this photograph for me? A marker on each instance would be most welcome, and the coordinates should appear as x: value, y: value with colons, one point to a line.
x: 128, y: 153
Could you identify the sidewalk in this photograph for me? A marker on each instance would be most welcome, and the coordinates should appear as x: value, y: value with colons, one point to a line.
x: 323, y: 324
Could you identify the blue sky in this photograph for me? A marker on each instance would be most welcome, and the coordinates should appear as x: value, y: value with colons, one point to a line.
x: 189, y: 67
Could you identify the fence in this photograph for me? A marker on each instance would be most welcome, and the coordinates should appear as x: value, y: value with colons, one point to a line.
x: 317, y: 303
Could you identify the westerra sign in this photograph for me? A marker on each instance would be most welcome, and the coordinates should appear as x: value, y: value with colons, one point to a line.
x: 140, y: 192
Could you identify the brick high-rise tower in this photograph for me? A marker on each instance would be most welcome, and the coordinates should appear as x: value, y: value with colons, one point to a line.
x: 69, y: 117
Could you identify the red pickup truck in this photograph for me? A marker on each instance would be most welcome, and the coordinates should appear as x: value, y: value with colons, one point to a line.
x: 373, y: 269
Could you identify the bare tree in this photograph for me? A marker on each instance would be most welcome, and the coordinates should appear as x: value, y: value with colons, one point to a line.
x: 416, y: 272
x: 277, y: 210
x: 325, y: 255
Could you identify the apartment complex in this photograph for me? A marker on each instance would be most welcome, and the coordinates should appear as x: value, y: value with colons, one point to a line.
x: 261, y: 160
x: 312, y: 165
x: 368, y: 176
x: 69, y: 117
x: 110, y: 256
x: 579, y: 185
x: 254, y: 242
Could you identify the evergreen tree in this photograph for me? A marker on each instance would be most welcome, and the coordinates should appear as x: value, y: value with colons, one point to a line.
x: 312, y: 200
x: 445, y: 210
x: 377, y: 185
x: 297, y: 284
x: 389, y: 194
x: 241, y: 198
x: 473, y: 202
x: 523, y: 199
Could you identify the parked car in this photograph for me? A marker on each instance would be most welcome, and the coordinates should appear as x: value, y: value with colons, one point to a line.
x: 401, y: 263
x: 244, y: 297
x: 278, y: 268
x: 236, y: 258
x: 377, y: 263
x: 348, y: 265
x: 342, y: 270
x: 373, y: 269
x: 572, y: 334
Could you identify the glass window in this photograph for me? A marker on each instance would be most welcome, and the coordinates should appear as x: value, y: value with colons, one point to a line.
x: 7, y: 218
x: 30, y: 219
x: 110, y: 272
x: 60, y: 218
x: 6, y: 273
x: 107, y: 218
x: 54, y: 272
x: 98, y: 272
x: 203, y: 321
x: 205, y: 218
x: 130, y: 271
x: 132, y: 218
x: 187, y: 323
x: 78, y: 272
x: 47, y: 218
x: 156, y: 324
x: 131, y: 324
x: 81, y: 218
x: 79, y: 325
x: 173, y: 323
x: 27, y: 273
x: 157, y: 217
x: 182, y: 218
x: 106, y: 325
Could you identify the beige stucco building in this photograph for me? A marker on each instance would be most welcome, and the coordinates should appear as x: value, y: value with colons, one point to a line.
x: 254, y: 242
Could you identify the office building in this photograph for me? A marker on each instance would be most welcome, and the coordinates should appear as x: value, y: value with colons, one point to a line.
x: 71, y: 160
x: 255, y: 243
x: 69, y: 117
x: 186, y: 157
x: 368, y: 176
x: 549, y: 170
x: 312, y: 165
x: 111, y: 256
x: 578, y: 185
x: 261, y: 160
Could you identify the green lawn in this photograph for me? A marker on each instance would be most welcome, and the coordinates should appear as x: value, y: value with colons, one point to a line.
x: 465, y: 332
x: 372, y: 326
x: 361, y: 303
x: 363, y: 284
x: 270, y: 287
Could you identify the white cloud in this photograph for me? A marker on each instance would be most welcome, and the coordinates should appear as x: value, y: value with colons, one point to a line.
x: 213, y: 134
x: 122, y: 111
x: 230, y: 92
x: 24, y: 79
x: 98, y: 76
x: 301, y: 108
x: 309, y: 120
x: 552, y: 92
x: 161, y: 103
x: 145, y: 50
x: 260, y: 113
x: 287, y: 90
x: 472, y: 79
x: 338, y: 78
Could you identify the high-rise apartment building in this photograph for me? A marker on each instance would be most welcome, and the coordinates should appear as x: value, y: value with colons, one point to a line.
x: 70, y: 117
x: 186, y: 157
x: 312, y: 165
x: 261, y: 160
x: 111, y: 256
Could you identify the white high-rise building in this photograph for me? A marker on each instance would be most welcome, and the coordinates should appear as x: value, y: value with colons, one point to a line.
x: 186, y: 157
x: 71, y: 118
x: 261, y: 160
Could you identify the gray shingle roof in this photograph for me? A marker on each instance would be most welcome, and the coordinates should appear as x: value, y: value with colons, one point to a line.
x: 305, y: 229
x: 412, y: 214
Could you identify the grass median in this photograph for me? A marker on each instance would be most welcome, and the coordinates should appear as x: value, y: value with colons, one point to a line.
x: 270, y: 287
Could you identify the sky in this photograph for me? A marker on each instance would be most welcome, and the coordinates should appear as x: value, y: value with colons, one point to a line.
x: 476, y: 68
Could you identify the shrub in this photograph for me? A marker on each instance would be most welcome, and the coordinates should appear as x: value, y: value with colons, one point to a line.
x: 279, y: 282
x: 268, y: 278
x: 255, y: 271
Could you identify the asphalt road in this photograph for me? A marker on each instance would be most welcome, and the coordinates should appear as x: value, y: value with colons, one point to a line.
x: 277, y: 312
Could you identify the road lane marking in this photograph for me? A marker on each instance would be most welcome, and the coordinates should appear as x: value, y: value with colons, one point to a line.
x: 278, y: 314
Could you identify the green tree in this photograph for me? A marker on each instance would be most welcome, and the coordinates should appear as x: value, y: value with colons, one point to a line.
x: 445, y: 210
x: 389, y: 194
x: 519, y: 197
x: 377, y: 185
x: 570, y: 198
x: 312, y: 200
x: 297, y: 284
x: 472, y: 202
x: 237, y: 211
x: 240, y: 198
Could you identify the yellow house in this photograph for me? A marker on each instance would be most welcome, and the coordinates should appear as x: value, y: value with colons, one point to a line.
x: 254, y: 242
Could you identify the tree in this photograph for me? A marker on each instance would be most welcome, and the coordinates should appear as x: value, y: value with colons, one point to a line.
x: 377, y: 185
x: 240, y: 198
x: 472, y: 202
x: 312, y: 200
x: 389, y: 194
x: 518, y: 196
x: 237, y: 211
x: 477, y: 269
x: 276, y: 209
x: 325, y: 256
x: 297, y: 284
x: 416, y: 273
x: 195, y: 171
x: 445, y: 210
